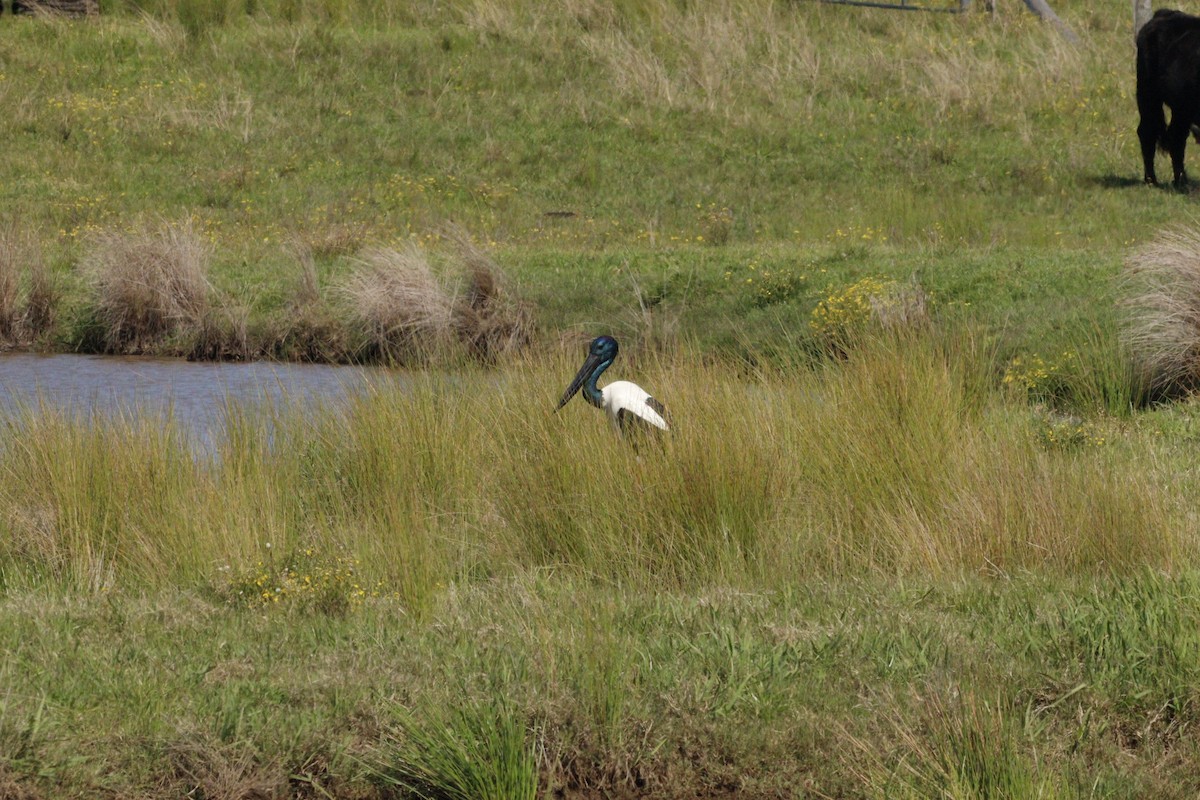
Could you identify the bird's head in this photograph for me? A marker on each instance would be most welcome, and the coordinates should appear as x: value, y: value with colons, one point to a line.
x: 603, y: 347
x: 601, y: 353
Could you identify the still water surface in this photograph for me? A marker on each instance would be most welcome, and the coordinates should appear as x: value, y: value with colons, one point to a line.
x: 197, y: 394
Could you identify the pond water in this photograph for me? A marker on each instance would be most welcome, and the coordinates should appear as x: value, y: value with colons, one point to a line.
x: 196, y: 394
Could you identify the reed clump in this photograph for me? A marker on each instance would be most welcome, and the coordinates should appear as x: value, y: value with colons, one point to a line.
x: 903, y: 444
x: 148, y: 286
x: 69, y: 515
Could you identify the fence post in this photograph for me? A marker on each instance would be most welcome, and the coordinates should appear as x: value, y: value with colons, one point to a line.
x: 1141, y: 13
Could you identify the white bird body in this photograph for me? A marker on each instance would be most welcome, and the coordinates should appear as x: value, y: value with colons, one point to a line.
x: 624, y: 402
x: 623, y: 397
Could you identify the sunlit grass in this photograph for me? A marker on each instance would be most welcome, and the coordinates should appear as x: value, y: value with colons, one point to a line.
x: 956, y: 557
x: 856, y: 688
x: 474, y: 753
x: 906, y: 455
x: 747, y: 130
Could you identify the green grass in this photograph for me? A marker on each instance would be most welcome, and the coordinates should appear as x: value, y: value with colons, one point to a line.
x: 468, y: 753
x: 973, y: 688
x: 882, y: 575
x: 692, y: 147
x: 956, y: 558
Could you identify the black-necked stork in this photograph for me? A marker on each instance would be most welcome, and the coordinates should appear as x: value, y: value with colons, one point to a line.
x: 625, y: 402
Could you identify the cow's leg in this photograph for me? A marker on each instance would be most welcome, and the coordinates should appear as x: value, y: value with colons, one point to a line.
x: 1175, y: 141
x: 1149, y: 140
x: 1151, y: 125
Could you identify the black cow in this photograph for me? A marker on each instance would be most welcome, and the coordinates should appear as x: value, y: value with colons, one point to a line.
x: 1168, y: 73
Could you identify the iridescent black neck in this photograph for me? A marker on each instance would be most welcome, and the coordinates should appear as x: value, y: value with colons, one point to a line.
x: 590, y: 392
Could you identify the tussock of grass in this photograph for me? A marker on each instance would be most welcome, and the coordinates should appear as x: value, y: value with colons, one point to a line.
x: 149, y: 285
x: 67, y: 521
x: 1162, y: 310
x: 481, y: 753
x: 403, y: 309
x: 909, y: 468
x: 955, y: 744
x: 698, y: 503
x: 399, y: 304
x: 488, y: 317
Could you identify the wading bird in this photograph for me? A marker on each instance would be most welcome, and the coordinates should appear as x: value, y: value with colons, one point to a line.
x: 626, y: 403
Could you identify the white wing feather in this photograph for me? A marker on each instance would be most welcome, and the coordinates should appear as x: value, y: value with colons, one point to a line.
x: 621, y: 396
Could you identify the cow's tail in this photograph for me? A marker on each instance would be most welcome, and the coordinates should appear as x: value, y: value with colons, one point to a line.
x: 1150, y: 106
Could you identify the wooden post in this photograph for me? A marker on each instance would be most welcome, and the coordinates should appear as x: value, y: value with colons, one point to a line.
x: 1141, y: 13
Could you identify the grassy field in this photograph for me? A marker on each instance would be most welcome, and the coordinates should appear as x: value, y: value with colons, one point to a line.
x: 727, y: 167
x: 919, y: 530
x: 883, y: 577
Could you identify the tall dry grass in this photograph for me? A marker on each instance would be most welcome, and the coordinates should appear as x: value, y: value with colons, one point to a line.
x: 28, y: 295
x: 489, y: 317
x: 898, y: 459
x: 400, y: 305
x: 702, y: 57
x: 1161, y: 285
x: 954, y: 744
x: 149, y: 285
x: 712, y: 57
x: 909, y: 468
x: 671, y: 55
x: 86, y: 500
x: 403, y: 308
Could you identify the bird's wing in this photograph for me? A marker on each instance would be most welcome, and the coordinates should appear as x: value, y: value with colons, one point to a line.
x: 629, y: 421
x: 628, y: 401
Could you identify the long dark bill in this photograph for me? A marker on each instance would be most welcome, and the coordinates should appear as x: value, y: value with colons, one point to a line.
x: 578, y: 381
